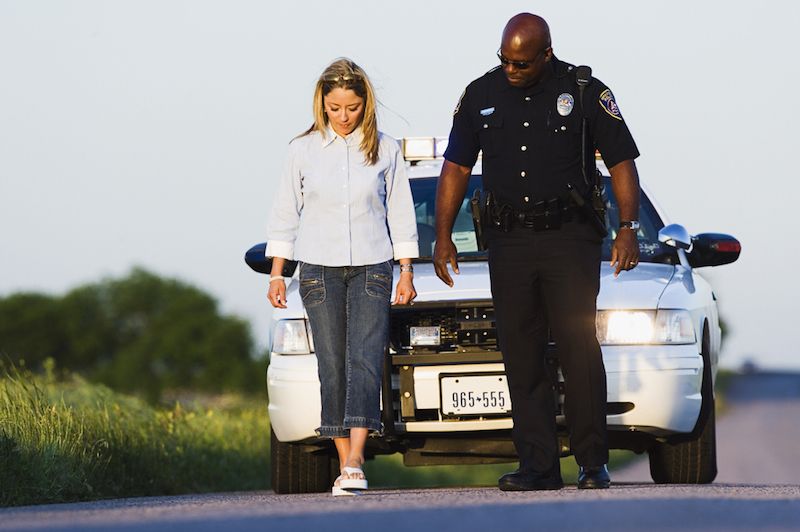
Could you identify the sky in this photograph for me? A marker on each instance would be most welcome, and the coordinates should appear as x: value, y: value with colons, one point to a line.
x: 152, y: 132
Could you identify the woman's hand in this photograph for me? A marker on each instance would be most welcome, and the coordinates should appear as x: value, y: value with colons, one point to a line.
x: 277, y: 293
x: 405, y: 293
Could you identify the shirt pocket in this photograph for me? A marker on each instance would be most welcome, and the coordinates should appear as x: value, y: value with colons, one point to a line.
x: 564, y: 133
x: 490, y: 132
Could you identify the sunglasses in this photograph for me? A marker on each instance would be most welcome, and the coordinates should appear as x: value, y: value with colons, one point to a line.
x: 519, y: 65
x: 341, y: 78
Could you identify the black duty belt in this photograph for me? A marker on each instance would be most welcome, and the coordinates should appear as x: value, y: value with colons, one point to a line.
x: 544, y: 215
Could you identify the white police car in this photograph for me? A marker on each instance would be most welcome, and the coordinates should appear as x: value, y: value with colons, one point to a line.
x: 445, y: 399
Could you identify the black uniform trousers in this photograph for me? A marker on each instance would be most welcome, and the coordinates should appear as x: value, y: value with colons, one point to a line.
x: 541, y: 279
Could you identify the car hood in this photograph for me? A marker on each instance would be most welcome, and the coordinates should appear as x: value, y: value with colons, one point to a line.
x: 639, y: 288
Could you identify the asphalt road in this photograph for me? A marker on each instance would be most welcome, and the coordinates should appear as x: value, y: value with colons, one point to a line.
x: 757, y: 489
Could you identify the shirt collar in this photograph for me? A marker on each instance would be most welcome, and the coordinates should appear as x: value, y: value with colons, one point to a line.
x: 353, y: 139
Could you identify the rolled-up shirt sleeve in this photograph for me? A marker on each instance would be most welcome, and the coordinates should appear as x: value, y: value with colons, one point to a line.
x: 400, y: 216
x: 285, y: 216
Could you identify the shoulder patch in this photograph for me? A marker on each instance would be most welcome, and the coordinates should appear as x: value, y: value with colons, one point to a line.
x: 609, y: 105
x: 458, y: 105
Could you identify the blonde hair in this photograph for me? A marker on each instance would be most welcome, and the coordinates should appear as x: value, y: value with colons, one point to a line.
x: 345, y: 74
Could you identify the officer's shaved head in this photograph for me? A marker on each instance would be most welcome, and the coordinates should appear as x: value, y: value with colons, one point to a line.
x: 526, y: 31
x: 526, y: 40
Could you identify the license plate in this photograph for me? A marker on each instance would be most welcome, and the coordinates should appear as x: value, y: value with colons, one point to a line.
x: 425, y: 335
x: 475, y: 394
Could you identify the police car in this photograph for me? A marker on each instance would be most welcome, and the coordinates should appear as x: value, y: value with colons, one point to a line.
x: 445, y: 399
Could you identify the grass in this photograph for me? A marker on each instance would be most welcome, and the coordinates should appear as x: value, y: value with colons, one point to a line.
x: 72, y: 441
x: 65, y: 440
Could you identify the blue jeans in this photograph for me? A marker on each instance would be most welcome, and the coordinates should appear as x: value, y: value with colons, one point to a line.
x: 348, y: 309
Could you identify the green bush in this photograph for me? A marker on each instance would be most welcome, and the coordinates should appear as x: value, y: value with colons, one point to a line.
x: 143, y: 334
x: 76, y: 441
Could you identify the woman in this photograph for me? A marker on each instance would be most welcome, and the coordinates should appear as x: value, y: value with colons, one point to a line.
x: 343, y: 210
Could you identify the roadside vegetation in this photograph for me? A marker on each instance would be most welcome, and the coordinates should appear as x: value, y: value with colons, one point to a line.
x: 72, y: 440
x: 141, y: 334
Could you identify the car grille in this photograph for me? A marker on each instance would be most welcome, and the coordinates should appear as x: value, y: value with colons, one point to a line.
x: 462, y: 328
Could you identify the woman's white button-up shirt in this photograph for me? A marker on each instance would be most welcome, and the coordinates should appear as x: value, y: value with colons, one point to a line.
x: 333, y: 209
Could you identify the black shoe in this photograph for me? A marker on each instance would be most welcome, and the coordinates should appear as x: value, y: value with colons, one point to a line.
x: 529, y: 481
x: 593, y: 477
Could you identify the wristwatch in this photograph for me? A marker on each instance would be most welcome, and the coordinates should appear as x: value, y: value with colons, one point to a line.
x: 629, y: 224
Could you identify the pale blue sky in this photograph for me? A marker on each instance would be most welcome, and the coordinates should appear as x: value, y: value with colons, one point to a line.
x: 152, y: 132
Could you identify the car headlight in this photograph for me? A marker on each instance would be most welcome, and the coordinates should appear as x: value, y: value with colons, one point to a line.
x: 292, y: 337
x: 621, y: 327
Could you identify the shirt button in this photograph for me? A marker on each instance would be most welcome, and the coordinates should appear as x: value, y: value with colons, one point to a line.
x: 522, y: 173
x: 524, y: 148
x: 527, y: 98
x: 526, y: 124
x: 526, y: 198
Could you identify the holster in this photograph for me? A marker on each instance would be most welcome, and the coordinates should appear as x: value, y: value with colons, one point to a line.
x: 594, y: 210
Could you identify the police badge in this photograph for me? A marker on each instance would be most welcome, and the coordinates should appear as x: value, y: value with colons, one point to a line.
x: 564, y: 103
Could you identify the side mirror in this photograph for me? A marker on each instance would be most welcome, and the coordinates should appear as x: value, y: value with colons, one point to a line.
x: 675, y: 235
x: 258, y: 262
x: 713, y: 249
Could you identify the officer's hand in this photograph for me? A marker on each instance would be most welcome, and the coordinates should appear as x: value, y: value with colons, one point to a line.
x: 445, y: 252
x: 625, y: 251
x: 277, y: 293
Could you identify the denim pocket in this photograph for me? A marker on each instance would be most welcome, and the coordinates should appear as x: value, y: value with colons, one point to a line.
x: 312, y: 284
x: 379, y: 280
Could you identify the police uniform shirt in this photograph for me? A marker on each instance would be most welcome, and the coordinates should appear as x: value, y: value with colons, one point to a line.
x: 531, y: 137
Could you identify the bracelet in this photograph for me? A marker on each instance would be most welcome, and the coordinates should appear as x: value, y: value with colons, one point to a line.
x: 276, y: 278
x: 406, y: 268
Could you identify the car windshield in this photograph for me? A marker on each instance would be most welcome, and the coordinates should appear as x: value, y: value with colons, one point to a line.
x: 424, y: 192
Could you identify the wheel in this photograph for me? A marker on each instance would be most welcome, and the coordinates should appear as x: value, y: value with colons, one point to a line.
x: 296, y: 469
x: 687, y: 462
x: 692, y: 459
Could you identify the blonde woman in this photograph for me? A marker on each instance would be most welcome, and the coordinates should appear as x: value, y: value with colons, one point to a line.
x: 344, y: 210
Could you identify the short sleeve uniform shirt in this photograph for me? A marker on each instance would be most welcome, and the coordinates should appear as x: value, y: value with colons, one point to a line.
x: 531, y: 137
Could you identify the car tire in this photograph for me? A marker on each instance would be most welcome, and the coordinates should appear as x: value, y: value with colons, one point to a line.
x: 692, y: 460
x: 300, y: 468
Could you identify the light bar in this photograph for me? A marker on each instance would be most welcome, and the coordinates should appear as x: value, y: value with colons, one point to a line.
x: 424, y: 148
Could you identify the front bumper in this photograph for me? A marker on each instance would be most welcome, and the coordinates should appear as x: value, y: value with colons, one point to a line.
x: 660, y: 386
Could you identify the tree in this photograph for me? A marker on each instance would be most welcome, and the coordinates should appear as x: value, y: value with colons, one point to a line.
x: 140, y: 333
x: 31, y: 328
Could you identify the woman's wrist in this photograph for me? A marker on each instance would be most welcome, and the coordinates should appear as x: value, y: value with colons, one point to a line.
x: 276, y: 278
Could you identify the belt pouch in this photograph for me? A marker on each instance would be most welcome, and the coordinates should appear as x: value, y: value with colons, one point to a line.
x: 546, y: 215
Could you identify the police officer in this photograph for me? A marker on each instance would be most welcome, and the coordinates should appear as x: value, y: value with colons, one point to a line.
x: 526, y: 117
